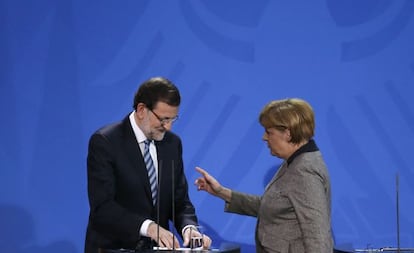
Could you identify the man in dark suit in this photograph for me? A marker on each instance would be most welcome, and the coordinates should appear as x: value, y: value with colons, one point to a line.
x: 124, y: 210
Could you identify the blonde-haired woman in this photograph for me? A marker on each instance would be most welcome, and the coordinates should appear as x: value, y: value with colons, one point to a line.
x: 294, y: 212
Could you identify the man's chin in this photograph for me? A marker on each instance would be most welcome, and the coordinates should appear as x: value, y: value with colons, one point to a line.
x: 159, y: 137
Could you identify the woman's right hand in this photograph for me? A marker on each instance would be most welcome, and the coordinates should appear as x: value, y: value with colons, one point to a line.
x: 209, y: 184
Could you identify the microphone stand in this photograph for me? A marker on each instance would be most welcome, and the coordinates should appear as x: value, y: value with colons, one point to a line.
x: 398, y: 212
x: 158, y: 204
x: 173, y: 200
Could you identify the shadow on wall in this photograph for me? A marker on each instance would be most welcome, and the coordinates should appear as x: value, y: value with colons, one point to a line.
x: 270, y: 174
x: 17, y: 233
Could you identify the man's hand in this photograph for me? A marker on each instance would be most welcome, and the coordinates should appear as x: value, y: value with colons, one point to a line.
x: 165, y: 236
x: 192, y: 233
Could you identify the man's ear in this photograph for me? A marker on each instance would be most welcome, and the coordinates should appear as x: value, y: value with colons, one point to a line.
x: 140, y: 110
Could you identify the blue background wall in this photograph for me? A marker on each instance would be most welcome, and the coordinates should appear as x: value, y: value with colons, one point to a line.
x: 68, y: 67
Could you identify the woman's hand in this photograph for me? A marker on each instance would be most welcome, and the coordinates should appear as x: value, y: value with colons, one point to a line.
x: 209, y: 184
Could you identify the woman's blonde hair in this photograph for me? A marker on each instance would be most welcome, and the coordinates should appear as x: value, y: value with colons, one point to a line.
x: 294, y: 114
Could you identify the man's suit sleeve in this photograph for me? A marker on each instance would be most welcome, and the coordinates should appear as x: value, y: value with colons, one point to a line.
x: 107, y: 216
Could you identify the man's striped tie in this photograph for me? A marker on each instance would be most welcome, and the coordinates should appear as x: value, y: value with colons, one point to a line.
x: 151, y: 171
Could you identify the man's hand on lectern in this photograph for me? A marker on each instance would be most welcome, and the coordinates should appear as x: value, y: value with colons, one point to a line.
x: 195, y: 233
x: 165, y: 236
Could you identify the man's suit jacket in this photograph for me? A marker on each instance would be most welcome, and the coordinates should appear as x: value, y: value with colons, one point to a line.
x: 294, y: 213
x: 119, y: 189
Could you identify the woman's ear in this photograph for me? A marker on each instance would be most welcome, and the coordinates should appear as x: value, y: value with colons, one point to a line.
x: 287, y: 134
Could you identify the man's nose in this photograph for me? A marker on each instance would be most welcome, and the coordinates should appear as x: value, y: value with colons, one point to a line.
x: 167, y: 125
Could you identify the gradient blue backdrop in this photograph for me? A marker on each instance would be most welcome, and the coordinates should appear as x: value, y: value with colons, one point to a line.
x: 70, y: 66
